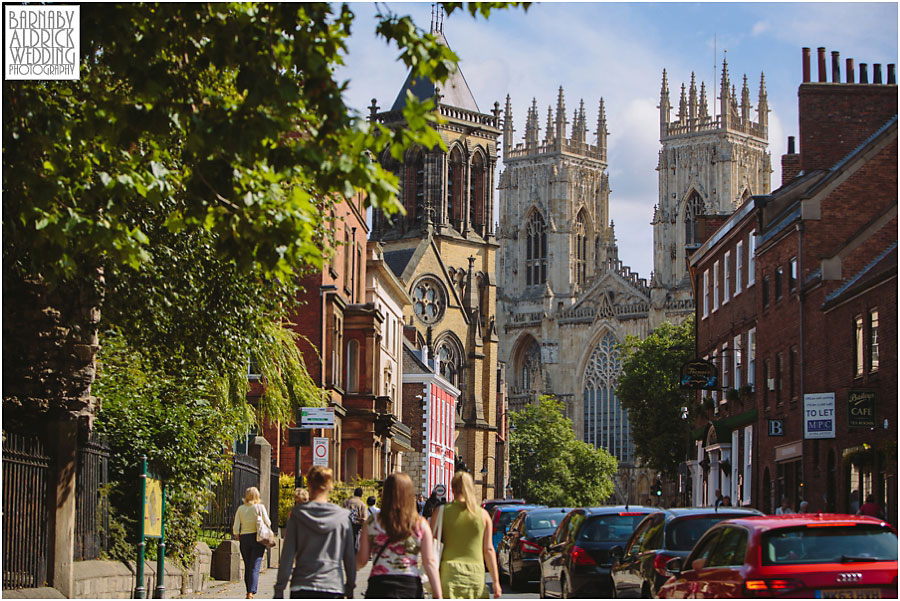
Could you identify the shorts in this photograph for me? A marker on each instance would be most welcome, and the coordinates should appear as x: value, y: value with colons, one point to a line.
x: 463, y: 580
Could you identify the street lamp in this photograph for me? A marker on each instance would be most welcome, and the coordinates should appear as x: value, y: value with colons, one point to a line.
x: 484, y: 473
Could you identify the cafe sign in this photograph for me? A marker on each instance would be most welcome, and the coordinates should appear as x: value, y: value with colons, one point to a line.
x: 698, y: 374
x: 861, y: 408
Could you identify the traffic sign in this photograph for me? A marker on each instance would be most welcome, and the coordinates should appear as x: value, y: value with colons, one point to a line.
x: 317, y: 417
x: 320, y: 451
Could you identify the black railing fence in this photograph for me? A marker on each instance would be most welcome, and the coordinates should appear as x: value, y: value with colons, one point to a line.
x: 27, y: 470
x: 274, y: 489
x: 91, y: 503
x: 227, y: 495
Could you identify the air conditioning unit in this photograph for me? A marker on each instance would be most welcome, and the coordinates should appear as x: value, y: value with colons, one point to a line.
x: 771, y: 383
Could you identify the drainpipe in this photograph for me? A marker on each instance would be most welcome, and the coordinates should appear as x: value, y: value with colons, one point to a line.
x: 802, y: 365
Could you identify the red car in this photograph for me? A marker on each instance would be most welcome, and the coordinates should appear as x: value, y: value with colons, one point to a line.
x: 821, y: 556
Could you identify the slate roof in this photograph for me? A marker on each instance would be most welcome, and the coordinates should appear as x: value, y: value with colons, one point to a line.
x: 397, y: 260
x: 454, y: 92
x: 870, y: 268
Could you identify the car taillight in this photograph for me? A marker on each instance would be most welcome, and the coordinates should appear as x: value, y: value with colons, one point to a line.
x: 659, y: 563
x: 526, y: 546
x: 580, y: 557
x: 771, y: 586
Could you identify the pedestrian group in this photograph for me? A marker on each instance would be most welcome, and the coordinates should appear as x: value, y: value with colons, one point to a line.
x: 324, y: 545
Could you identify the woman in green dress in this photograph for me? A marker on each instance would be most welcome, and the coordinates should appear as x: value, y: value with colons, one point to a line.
x: 466, y: 534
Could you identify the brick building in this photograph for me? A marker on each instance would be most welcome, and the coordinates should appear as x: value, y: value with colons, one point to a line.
x: 825, y: 389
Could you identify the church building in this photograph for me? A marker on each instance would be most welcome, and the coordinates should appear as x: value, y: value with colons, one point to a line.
x: 566, y: 298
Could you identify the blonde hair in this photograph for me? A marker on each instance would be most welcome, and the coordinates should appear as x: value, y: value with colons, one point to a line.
x: 398, y: 507
x: 319, y: 478
x: 463, y: 488
x: 301, y: 495
x: 251, y: 495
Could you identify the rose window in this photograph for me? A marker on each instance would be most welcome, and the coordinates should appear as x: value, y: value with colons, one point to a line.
x: 429, y: 300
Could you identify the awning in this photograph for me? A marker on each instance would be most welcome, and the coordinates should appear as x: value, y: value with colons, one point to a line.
x: 726, y: 425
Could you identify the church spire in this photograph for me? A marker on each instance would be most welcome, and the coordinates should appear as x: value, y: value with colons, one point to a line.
x: 664, y: 105
x: 548, y: 133
x: 692, y: 102
x: 745, y: 102
x: 507, y: 128
x: 762, y: 106
x: 704, y: 106
x: 682, y: 108
x: 601, y: 131
x: 724, y: 96
x: 531, y: 126
x: 560, y: 118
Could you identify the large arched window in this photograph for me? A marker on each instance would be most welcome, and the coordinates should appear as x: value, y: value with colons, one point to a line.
x: 455, y: 189
x: 449, y: 360
x: 476, y: 194
x: 605, y: 421
x: 414, y: 186
x: 528, y: 365
x: 580, y: 250
x: 535, y: 250
x: 693, y: 208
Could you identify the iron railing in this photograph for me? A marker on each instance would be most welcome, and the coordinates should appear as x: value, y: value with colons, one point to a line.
x: 227, y: 495
x: 274, y: 489
x: 91, y: 504
x: 27, y: 470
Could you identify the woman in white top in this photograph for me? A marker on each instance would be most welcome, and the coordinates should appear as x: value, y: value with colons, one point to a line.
x: 245, y: 529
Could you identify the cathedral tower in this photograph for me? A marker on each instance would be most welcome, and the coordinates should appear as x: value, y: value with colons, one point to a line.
x: 708, y: 165
x: 443, y: 252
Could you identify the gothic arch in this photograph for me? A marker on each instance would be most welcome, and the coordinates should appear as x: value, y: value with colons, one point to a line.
x: 581, y: 234
x: 456, y: 177
x: 414, y: 185
x: 526, y: 364
x: 535, y: 240
x: 692, y: 207
x: 450, y: 355
x: 605, y: 421
x: 478, y: 184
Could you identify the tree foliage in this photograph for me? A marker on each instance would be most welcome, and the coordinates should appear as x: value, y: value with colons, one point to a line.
x: 648, y: 388
x: 549, y: 466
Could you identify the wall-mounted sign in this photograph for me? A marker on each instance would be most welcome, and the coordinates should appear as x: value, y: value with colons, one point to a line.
x: 317, y: 417
x: 818, y: 415
x: 699, y: 374
x: 861, y: 408
x: 776, y: 427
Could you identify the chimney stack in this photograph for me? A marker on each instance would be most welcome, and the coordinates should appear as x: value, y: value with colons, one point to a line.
x: 863, y: 73
x: 835, y: 67
x: 892, y: 75
x: 850, y: 70
x: 822, y: 75
x: 791, y: 145
x: 806, y: 65
x: 876, y: 76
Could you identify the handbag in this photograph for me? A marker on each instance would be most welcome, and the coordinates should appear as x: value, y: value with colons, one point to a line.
x: 264, y: 534
x: 438, y: 546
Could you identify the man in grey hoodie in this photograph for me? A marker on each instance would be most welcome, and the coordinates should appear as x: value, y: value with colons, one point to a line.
x: 318, y: 552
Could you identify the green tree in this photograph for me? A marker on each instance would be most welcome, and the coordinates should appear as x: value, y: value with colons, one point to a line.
x: 549, y: 466
x: 648, y: 388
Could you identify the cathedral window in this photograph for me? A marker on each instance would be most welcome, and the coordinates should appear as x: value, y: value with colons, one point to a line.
x: 476, y: 195
x: 455, y: 189
x: 529, y: 365
x: 535, y: 250
x: 429, y: 300
x: 414, y: 187
x: 449, y: 361
x: 580, y: 250
x: 693, y: 208
x: 605, y: 420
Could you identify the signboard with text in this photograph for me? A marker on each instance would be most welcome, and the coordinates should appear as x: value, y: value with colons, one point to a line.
x: 317, y: 417
x: 698, y: 374
x: 861, y: 408
x: 818, y: 415
x: 320, y: 451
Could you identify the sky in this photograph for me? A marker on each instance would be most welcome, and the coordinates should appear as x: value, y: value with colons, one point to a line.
x: 617, y: 51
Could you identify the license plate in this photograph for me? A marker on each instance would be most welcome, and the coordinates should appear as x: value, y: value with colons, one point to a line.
x: 849, y: 593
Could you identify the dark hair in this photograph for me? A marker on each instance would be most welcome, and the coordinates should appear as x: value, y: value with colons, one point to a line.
x: 370, y: 501
x: 398, y: 514
x: 357, y: 492
x: 870, y: 498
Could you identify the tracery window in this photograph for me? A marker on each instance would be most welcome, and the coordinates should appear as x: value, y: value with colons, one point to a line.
x: 692, y: 210
x: 580, y: 250
x: 530, y: 365
x: 605, y: 421
x: 449, y: 361
x: 535, y: 250
x: 455, y: 189
x: 414, y: 187
x: 429, y: 300
x: 476, y: 194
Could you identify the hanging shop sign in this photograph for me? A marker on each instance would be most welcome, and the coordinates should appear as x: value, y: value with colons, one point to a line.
x: 861, y: 408
x: 699, y: 374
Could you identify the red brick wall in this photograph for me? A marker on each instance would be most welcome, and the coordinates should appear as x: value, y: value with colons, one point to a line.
x: 790, y: 167
x: 836, y: 118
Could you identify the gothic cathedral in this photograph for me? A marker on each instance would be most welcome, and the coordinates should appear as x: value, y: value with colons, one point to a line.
x: 443, y: 251
x: 565, y: 297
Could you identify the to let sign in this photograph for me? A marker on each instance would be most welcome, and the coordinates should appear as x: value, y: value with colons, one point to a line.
x: 818, y: 415
x: 861, y: 408
x: 317, y: 417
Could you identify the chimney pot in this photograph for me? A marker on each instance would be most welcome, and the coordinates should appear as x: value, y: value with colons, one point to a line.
x: 863, y: 73
x: 850, y: 70
x: 835, y: 67
x: 822, y: 76
x: 806, y: 65
x: 892, y: 75
x: 876, y: 76
x: 791, y: 145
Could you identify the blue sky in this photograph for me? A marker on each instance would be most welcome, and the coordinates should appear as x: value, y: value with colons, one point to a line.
x: 617, y: 51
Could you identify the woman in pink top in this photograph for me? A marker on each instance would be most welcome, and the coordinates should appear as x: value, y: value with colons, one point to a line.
x: 396, y: 536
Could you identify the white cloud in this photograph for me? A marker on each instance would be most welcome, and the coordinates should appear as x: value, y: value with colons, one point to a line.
x: 760, y: 27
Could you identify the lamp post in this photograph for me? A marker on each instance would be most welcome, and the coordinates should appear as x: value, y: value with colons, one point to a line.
x: 484, y: 473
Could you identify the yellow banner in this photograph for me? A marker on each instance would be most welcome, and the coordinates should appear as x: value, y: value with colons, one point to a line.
x: 153, y: 509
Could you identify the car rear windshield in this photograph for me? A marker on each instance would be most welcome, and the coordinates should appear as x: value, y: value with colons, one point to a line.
x: 681, y: 534
x: 823, y: 543
x: 543, y: 520
x: 506, y: 518
x: 610, y: 528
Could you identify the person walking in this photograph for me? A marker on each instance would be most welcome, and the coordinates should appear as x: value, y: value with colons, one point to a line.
x: 244, y: 529
x: 301, y: 495
x: 870, y: 507
x: 318, y: 551
x: 466, y: 534
x: 785, y: 508
x: 358, y: 512
x: 420, y: 503
x: 396, y: 536
x: 370, y: 506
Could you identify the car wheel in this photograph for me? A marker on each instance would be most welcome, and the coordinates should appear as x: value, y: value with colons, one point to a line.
x: 515, y: 580
x: 542, y: 593
x: 645, y: 592
x: 563, y: 589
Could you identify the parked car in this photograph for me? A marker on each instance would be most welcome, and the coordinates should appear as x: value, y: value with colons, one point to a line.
x: 825, y: 556
x: 518, y: 550
x: 576, y: 560
x: 639, y: 568
x: 503, y: 517
x: 491, y: 503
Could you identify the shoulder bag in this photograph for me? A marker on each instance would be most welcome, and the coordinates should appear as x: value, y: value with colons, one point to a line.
x: 264, y: 534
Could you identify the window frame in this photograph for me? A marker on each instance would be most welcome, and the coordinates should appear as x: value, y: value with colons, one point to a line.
x: 873, y: 354
x: 715, y: 286
x: 793, y: 274
x: 726, y: 277
x: 738, y: 260
x: 706, y: 293
x: 751, y: 258
x: 858, y: 346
